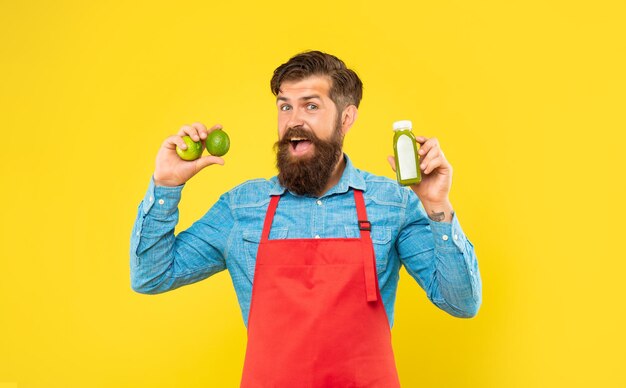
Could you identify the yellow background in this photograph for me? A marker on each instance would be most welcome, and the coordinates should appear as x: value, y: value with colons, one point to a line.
x: 526, y: 97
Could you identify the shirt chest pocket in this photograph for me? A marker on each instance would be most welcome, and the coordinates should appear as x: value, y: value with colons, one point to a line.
x: 381, y: 239
x: 251, y: 240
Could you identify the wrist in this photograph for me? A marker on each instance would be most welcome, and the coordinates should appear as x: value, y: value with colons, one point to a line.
x: 439, y: 211
x: 164, y: 183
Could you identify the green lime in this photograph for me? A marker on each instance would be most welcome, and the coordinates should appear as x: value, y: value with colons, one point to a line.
x: 217, y: 143
x: 193, y: 151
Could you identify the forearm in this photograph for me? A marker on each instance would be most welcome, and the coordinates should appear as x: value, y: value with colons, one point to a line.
x: 152, y: 242
x: 457, y: 286
x: 441, y: 259
x: 161, y: 261
x: 456, y: 290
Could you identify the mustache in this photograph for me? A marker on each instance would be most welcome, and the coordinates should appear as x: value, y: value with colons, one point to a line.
x: 297, y: 131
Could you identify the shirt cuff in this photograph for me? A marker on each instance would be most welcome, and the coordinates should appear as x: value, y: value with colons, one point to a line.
x: 161, y: 200
x: 448, y: 234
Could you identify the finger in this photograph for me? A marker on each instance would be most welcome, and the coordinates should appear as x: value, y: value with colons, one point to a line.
x: 434, y: 153
x: 216, y: 126
x: 392, y: 162
x: 433, y: 165
x: 440, y: 162
x: 189, y: 131
x: 173, y: 141
x: 202, y: 131
x: 421, y: 139
x: 428, y: 145
x: 209, y: 160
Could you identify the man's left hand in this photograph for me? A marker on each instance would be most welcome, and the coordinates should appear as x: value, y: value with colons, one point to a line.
x: 436, y: 181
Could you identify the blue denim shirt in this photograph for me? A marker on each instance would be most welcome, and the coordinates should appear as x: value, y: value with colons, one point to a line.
x: 437, y: 255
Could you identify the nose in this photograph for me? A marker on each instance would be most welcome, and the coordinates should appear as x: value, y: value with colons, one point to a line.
x: 295, y: 118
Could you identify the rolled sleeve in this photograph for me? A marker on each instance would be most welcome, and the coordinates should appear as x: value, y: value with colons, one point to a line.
x: 162, y: 261
x: 162, y: 200
x: 440, y: 257
x: 449, y: 235
x: 165, y: 212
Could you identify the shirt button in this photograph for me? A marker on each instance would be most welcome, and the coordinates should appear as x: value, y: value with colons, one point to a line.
x: 151, y: 199
x: 444, y: 237
x: 318, y: 202
x: 317, y: 236
x: 161, y: 202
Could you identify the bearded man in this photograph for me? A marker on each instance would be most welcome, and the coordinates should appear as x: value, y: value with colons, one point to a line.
x: 314, y: 253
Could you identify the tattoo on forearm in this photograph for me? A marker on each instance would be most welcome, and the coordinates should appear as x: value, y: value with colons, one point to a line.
x: 437, y: 216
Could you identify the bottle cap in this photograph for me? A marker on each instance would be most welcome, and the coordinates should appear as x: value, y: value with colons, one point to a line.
x: 402, y: 124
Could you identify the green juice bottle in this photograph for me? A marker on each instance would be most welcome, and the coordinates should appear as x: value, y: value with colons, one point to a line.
x: 405, y: 150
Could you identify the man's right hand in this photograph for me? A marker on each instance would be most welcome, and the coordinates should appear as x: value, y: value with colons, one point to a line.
x: 170, y: 169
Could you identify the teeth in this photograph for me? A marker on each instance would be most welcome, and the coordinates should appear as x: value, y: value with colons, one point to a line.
x: 297, y: 139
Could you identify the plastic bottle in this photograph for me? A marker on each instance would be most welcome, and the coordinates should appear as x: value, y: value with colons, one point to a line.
x: 405, y: 150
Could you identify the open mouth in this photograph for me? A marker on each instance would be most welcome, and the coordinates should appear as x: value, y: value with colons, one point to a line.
x: 300, y: 145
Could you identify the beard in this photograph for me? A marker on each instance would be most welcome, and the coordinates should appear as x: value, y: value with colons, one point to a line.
x: 308, y: 174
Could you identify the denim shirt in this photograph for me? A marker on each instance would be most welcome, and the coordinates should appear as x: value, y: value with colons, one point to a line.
x: 437, y: 255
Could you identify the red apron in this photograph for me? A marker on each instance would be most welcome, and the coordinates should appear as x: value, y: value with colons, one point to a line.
x: 316, y: 315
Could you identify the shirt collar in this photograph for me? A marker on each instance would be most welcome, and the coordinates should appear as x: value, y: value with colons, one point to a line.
x: 350, y: 178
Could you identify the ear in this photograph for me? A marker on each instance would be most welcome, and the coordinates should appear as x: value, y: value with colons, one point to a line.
x: 348, y: 117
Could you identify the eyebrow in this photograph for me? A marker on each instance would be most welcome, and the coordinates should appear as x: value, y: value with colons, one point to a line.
x: 301, y: 98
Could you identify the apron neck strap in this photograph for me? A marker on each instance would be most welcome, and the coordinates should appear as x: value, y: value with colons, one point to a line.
x: 364, y: 225
x: 369, y: 259
x: 269, y: 217
x: 371, y: 286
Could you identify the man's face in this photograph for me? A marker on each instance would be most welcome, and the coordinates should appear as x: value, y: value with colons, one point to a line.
x: 310, y: 135
x: 306, y: 103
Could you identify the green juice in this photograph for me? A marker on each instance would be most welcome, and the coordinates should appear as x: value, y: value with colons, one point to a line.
x: 405, y: 151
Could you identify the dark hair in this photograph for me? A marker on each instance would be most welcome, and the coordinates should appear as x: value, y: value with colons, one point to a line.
x: 346, y: 87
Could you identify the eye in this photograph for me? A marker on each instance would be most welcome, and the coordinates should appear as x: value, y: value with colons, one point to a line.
x: 285, y: 107
x: 311, y: 106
